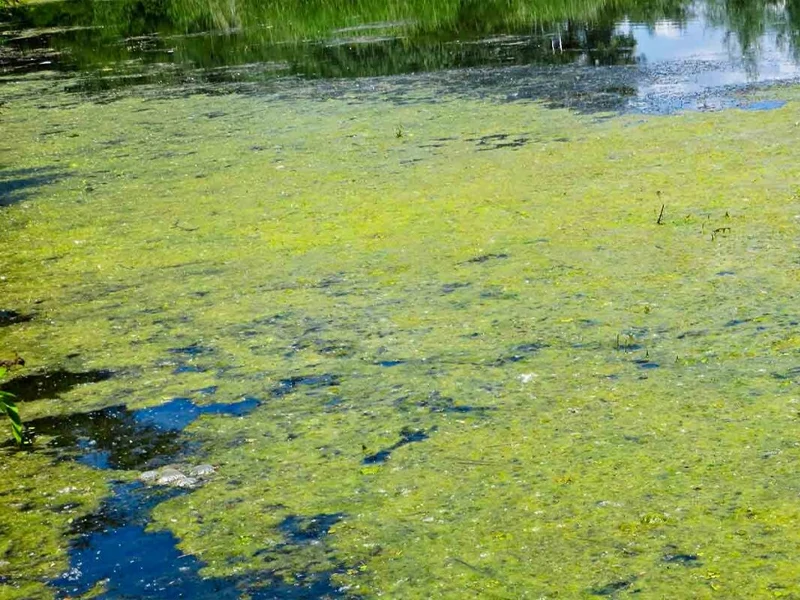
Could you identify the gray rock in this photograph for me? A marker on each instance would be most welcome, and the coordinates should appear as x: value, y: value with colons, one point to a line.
x: 185, y: 482
x: 202, y: 471
x: 172, y: 476
x: 148, y: 476
x: 169, y: 476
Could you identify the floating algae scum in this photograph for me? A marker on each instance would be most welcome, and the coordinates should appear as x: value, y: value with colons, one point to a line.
x: 473, y: 360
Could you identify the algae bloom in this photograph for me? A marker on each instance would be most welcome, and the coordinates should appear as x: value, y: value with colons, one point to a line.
x: 473, y: 360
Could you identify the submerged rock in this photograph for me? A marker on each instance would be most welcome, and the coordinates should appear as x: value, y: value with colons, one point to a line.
x: 173, y: 476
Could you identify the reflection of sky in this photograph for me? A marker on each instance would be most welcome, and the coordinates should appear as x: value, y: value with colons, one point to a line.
x: 673, y: 41
x: 692, y: 57
x: 179, y: 413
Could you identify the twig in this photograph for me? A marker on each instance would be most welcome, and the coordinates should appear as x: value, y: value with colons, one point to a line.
x: 484, y: 572
x: 660, y: 215
x: 17, y: 361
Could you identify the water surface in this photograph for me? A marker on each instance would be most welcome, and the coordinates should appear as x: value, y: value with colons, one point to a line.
x: 644, y: 56
x: 499, y: 348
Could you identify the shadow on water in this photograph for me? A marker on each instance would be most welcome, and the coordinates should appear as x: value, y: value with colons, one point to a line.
x: 287, y: 386
x: 17, y: 185
x: 301, y: 531
x: 191, y: 350
x: 520, y: 353
x: 111, y: 438
x: 611, y: 589
x: 12, y: 317
x: 485, y: 258
x: 304, y: 530
x: 437, y: 403
x: 686, y: 560
x: 118, y: 438
x: 48, y: 385
x: 407, y: 436
x: 645, y: 363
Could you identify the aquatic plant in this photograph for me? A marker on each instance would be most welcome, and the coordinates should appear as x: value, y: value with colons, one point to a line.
x: 431, y: 324
x: 9, y: 408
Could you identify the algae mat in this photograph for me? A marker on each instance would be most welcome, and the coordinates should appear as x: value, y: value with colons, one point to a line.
x: 485, y: 368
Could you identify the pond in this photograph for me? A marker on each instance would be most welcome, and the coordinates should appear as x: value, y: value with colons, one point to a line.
x: 432, y: 299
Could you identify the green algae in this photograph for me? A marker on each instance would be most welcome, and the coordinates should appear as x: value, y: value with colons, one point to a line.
x: 600, y: 393
x: 41, y: 500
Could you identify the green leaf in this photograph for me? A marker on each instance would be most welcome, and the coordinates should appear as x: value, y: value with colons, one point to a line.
x: 12, y: 412
x: 10, y: 409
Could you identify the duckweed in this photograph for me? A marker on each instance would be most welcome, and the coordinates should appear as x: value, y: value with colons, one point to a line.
x: 41, y: 501
x: 550, y: 378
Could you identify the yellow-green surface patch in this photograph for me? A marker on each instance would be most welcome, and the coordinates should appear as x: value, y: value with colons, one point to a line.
x: 40, y: 502
x: 532, y: 388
